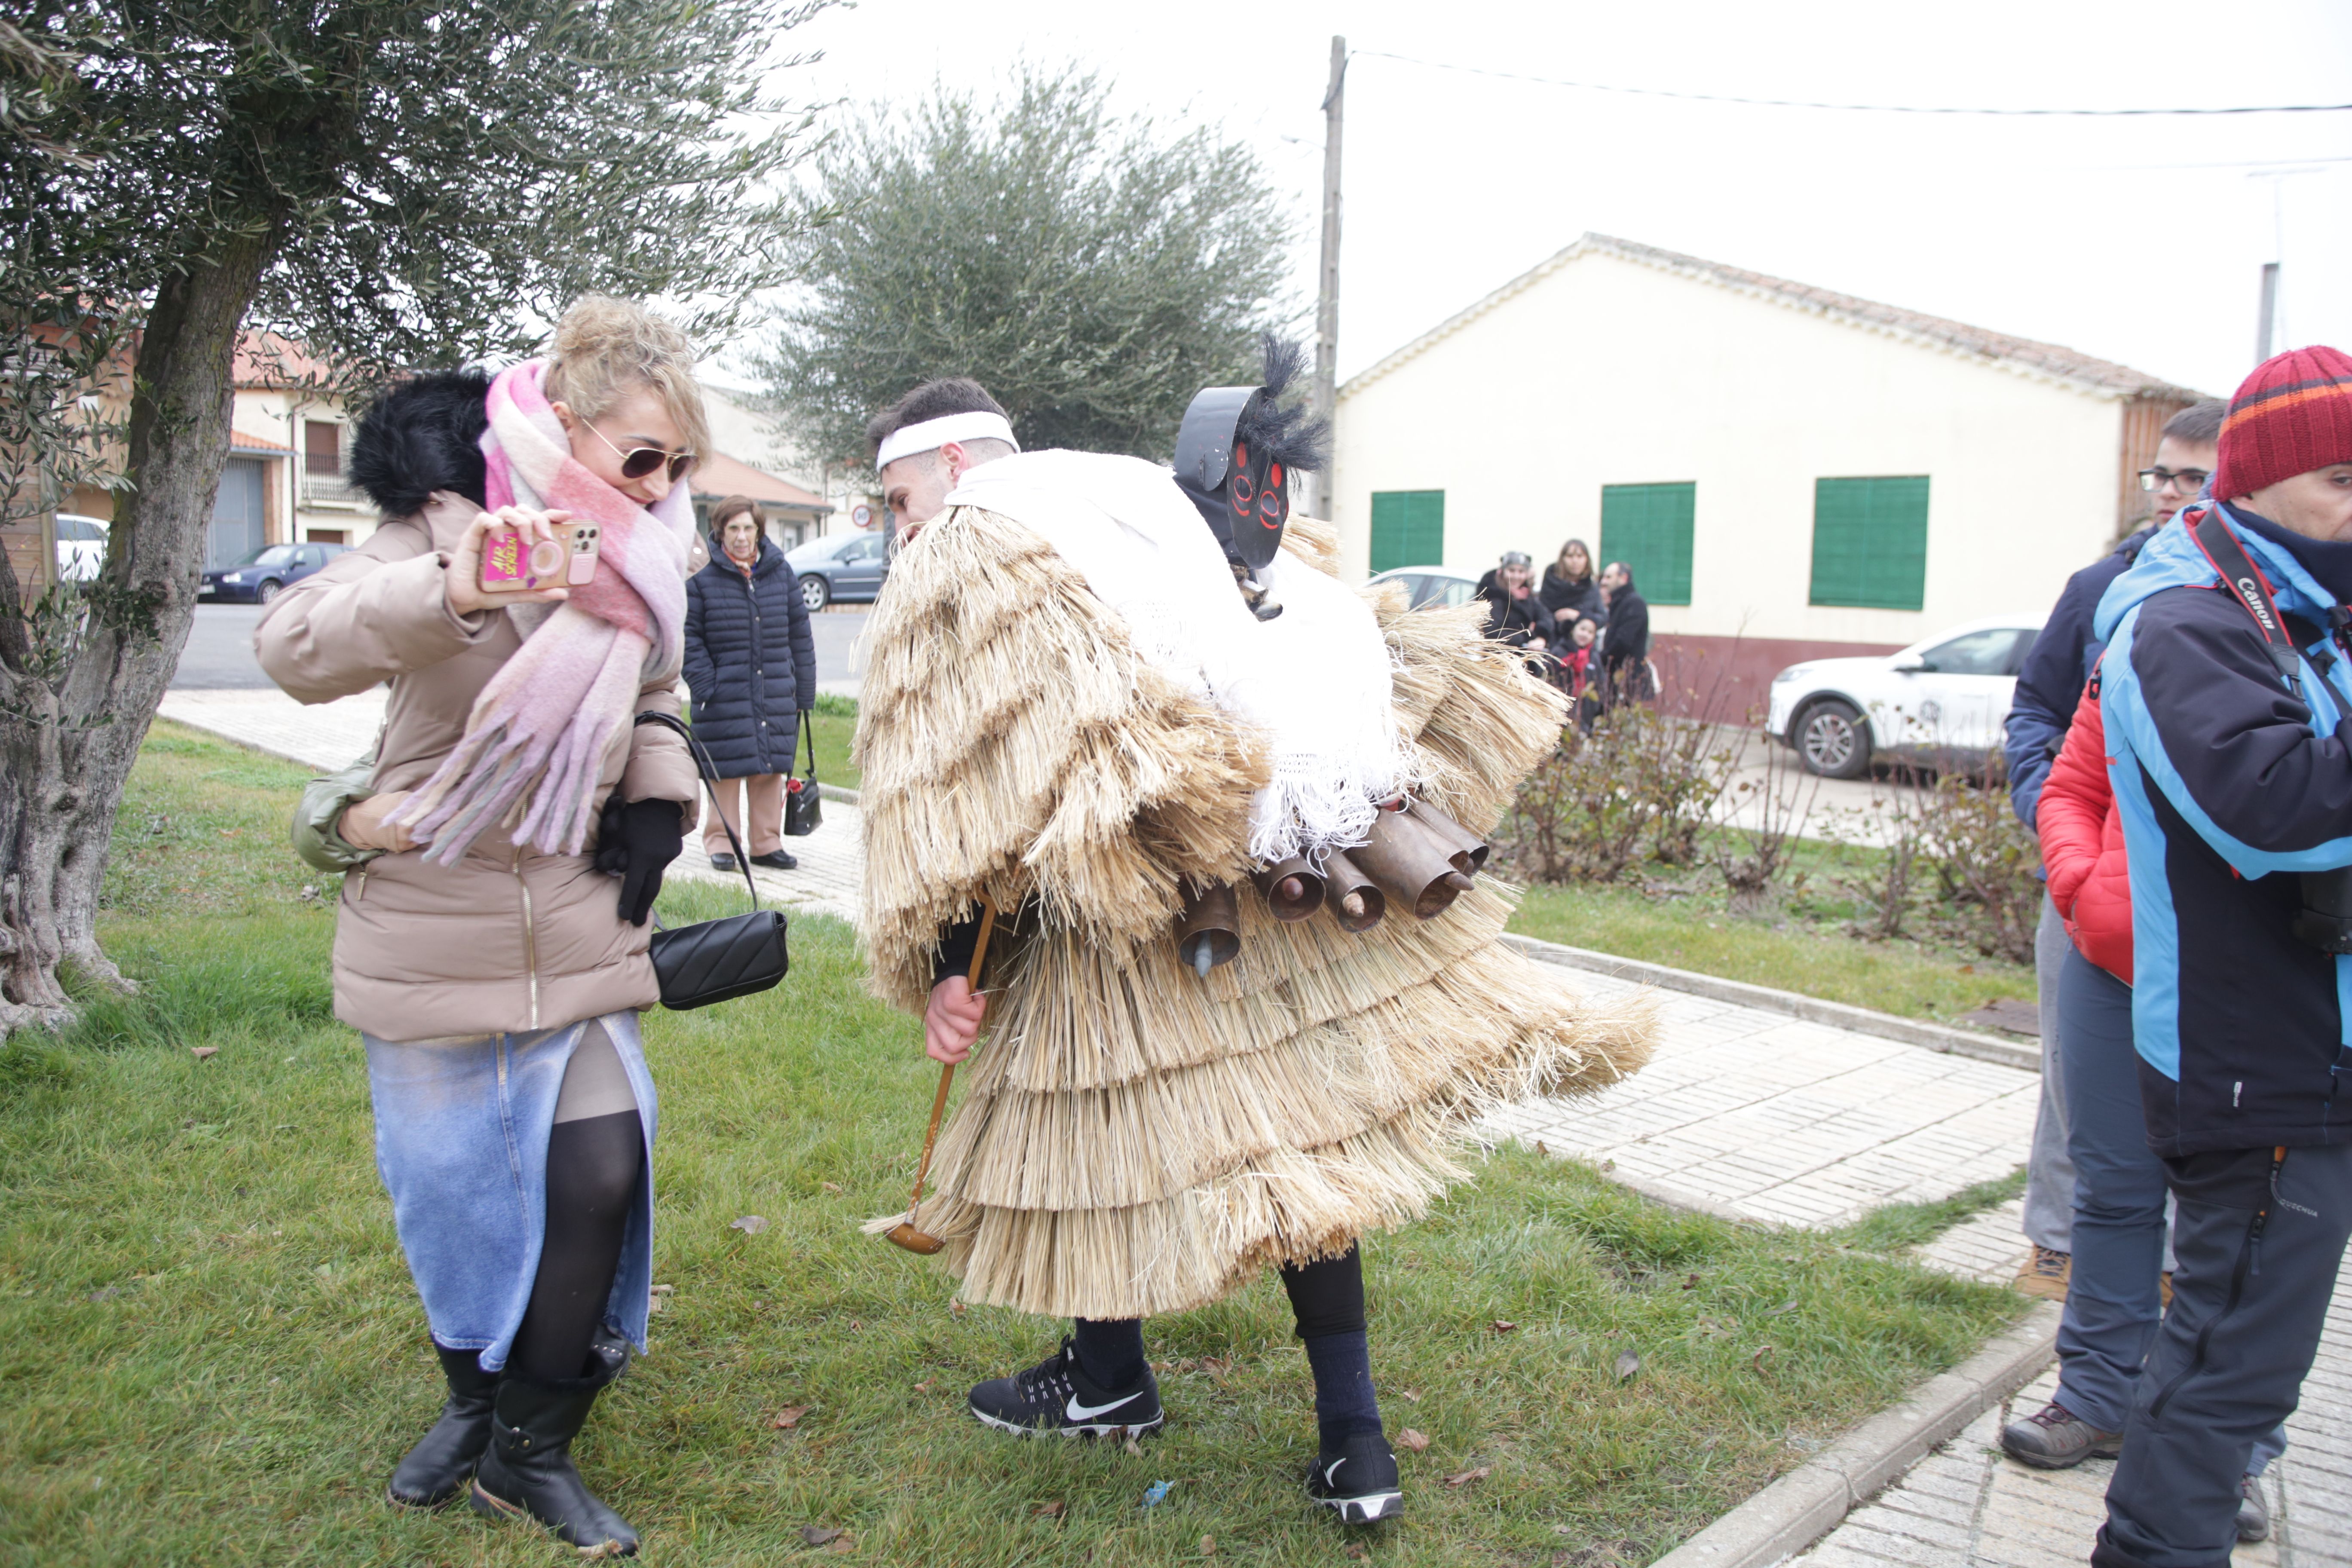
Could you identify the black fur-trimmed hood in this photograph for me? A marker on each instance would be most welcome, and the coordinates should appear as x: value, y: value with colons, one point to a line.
x: 422, y: 435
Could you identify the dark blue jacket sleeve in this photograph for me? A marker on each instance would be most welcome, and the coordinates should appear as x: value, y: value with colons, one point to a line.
x: 804, y: 645
x: 699, y: 670
x: 2050, y: 684
x: 2239, y: 746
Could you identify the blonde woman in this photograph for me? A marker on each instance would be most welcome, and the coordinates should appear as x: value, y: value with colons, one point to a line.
x: 483, y: 949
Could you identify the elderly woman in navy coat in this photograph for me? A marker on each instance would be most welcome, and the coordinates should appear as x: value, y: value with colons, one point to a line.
x: 752, y: 666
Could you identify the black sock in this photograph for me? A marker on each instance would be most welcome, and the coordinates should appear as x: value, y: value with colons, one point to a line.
x: 1327, y: 1299
x: 1110, y: 1350
x: 593, y: 1168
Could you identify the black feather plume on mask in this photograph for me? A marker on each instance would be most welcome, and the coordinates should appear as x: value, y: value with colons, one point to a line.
x: 1297, y: 439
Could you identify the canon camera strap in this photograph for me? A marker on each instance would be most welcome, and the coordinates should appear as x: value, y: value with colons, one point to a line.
x: 2244, y: 578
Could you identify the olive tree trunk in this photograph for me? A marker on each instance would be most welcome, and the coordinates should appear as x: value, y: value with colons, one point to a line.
x: 80, y: 682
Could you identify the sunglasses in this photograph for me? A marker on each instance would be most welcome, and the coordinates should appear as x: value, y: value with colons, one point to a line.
x: 639, y: 462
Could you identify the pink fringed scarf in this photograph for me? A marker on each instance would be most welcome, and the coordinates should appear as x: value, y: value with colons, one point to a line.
x: 536, y: 739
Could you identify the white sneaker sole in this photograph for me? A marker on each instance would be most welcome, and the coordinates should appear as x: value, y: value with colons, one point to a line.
x: 1369, y: 1509
x: 1102, y: 1429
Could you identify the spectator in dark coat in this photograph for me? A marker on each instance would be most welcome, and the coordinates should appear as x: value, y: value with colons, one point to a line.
x: 1514, y: 614
x: 1625, y: 640
x: 751, y: 665
x: 1569, y: 592
x: 2049, y: 685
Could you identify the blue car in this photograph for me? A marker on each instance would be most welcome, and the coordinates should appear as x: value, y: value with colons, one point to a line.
x: 258, y: 578
x: 845, y: 566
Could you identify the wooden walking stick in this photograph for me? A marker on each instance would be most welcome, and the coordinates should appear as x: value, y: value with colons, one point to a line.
x: 905, y: 1233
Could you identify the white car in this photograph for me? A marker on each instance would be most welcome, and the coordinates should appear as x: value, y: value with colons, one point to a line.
x: 1427, y: 585
x: 81, y: 547
x: 1941, y: 703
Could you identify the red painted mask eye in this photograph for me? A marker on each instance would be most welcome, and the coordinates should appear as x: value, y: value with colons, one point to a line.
x: 1273, y: 475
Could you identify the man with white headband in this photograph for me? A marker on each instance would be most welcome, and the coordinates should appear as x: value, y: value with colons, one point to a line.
x: 1126, y: 736
x: 927, y: 441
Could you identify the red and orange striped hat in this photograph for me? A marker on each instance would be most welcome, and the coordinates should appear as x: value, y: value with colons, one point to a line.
x: 2291, y: 416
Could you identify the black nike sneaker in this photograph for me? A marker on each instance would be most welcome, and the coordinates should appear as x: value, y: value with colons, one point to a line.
x: 1057, y: 1396
x: 1358, y: 1482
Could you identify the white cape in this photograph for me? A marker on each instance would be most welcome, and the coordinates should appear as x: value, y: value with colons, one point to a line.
x: 1315, y: 681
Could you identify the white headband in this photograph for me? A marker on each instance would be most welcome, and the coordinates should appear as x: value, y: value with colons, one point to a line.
x: 932, y: 434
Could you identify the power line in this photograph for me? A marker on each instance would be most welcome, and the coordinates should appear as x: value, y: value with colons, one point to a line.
x: 1849, y: 107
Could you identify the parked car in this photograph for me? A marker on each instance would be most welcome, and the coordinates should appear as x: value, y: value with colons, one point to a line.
x: 1431, y: 585
x: 259, y: 577
x: 845, y: 566
x: 1941, y: 703
x: 81, y: 546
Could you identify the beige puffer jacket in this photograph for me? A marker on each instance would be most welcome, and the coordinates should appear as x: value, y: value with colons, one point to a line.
x: 507, y: 939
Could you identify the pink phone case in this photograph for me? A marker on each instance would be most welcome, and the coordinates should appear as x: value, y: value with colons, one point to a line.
x: 568, y: 558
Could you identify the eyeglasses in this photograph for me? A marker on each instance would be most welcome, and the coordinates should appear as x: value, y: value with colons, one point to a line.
x: 2189, y: 481
x: 639, y: 462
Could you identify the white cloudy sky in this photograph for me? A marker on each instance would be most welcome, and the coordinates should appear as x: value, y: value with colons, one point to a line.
x: 2138, y: 239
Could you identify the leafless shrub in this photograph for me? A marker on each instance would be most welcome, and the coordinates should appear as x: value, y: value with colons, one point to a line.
x: 1985, y: 862
x: 1781, y: 802
x: 1892, y: 829
x: 1641, y: 785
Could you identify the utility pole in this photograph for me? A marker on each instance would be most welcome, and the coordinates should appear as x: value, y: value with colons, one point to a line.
x: 2263, y: 335
x: 1324, y: 397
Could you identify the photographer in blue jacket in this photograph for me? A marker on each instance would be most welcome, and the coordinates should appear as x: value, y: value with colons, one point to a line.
x: 2227, y: 693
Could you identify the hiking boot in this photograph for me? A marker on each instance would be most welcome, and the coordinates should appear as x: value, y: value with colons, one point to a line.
x: 1358, y: 1480
x: 777, y: 860
x: 2045, y: 1273
x: 437, y: 1468
x: 722, y: 862
x: 2253, y: 1513
x: 1057, y: 1396
x: 528, y: 1475
x: 2054, y: 1438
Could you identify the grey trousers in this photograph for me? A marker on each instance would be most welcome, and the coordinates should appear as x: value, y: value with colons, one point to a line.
x: 2256, y: 1273
x: 2049, y: 1169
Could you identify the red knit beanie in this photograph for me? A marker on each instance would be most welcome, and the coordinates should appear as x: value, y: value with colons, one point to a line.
x: 2291, y: 416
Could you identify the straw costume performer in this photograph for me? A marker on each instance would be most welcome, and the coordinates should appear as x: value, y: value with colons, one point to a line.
x: 1163, y: 752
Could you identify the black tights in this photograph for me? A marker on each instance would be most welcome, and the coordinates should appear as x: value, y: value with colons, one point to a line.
x: 1326, y: 1297
x: 593, y: 1169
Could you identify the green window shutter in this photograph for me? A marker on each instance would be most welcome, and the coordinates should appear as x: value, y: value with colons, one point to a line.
x: 1870, y: 543
x: 1408, y: 529
x: 1648, y: 527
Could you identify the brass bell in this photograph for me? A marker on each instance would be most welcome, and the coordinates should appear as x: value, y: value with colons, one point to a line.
x: 1293, y: 889
x: 1210, y: 931
x: 1354, y: 899
x: 1469, y: 850
x: 1409, y: 863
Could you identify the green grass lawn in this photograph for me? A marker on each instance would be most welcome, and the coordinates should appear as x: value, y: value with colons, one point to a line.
x: 211, y: 1352
x: 1677, y: 917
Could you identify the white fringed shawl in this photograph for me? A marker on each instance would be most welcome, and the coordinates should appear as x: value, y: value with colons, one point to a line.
x: 1315, y: 681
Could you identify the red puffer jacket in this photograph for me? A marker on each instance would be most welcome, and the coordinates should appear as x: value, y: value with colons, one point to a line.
x: 2083, y: 844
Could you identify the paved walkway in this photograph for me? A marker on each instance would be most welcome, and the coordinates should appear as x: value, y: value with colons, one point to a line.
x: 1745, y: 1112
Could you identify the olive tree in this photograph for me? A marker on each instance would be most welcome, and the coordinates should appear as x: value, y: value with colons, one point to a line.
x: 390, y: 183
x: 1092, y: 270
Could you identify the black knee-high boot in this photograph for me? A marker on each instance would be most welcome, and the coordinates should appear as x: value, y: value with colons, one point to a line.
x: 434, y: 1471
x: 562, y: 1359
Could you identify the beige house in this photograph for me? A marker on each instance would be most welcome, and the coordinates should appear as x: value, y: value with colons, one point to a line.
x: 1792, y: 473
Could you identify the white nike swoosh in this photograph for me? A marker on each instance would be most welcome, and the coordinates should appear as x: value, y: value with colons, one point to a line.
x: 1077, y: 1412
x: 1331, y: 1475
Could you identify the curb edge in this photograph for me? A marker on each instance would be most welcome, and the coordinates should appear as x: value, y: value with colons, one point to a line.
x: 1812, y: 1500
x: 1813, y: 1009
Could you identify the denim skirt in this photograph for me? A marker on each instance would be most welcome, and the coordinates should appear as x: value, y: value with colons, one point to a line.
x: 461, y: 1142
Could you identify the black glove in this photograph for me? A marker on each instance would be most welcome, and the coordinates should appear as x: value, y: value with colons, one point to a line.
x: 637, y: 840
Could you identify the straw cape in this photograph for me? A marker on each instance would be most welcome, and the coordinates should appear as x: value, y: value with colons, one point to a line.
x: 1133, y: 1139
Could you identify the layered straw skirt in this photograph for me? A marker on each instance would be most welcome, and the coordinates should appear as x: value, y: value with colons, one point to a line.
x: 1133, y: 1139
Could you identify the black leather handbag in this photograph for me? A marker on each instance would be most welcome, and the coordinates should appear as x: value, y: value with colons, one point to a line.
x: 717, y: 961
x: 803, y: 807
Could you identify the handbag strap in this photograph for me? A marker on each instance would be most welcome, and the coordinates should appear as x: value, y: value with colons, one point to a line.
x: 702, y: 764
x: 808, y: 734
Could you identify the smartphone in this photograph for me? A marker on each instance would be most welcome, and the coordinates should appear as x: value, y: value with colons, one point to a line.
x: 569, y: 559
